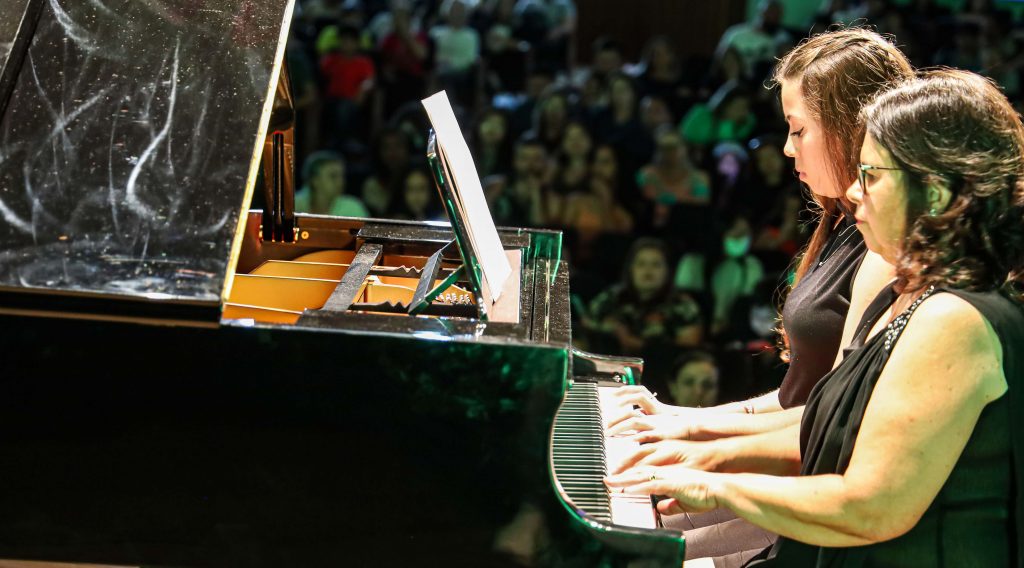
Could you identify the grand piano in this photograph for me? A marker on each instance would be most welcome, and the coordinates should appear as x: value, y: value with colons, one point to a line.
x: 188, y: 382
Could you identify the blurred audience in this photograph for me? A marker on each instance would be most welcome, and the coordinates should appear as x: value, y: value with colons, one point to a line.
x: 634, y: 142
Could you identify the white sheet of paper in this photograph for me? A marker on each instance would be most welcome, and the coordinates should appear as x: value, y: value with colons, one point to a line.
x: 483, y: 234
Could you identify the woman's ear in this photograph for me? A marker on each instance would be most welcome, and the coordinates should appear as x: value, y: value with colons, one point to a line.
x: 938, y: 196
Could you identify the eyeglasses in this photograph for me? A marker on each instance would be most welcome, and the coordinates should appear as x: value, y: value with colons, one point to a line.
x: 863, y: 170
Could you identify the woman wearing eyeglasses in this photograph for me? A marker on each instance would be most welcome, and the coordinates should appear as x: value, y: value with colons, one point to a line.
x: 911, y: 454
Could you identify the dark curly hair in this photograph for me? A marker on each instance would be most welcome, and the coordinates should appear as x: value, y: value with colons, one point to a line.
x: 955, y: 129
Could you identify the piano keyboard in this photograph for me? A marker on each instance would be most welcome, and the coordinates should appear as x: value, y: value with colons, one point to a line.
x: 581, y: 455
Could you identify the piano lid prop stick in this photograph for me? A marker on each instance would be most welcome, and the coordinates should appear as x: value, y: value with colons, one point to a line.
x: 425, y: 286
x: 345, y: 294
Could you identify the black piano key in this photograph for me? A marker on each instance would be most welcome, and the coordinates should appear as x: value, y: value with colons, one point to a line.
x: 578, y: 455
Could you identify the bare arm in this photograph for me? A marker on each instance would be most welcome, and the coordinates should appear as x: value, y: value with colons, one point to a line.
x: 768, y: 402
x: 745, y: 424
x: 629, y: 396
x: 700, y: 424
x: 776, y: 453
x: 922, y: 412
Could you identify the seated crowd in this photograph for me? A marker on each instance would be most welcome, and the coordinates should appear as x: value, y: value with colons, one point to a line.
x: 667, y: 174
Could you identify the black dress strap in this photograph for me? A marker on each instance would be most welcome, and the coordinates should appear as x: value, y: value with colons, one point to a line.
x: 895, y: 328
x: 878, y: 306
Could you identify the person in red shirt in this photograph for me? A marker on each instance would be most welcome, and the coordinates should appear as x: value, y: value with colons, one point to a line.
x: 348, y: 80
x: 403, y: 55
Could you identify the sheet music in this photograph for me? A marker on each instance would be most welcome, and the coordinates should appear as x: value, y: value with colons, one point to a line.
x: 483, y: 235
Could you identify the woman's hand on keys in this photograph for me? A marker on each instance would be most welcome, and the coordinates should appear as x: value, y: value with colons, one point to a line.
x: 688, y: 490
x: 704, y: 456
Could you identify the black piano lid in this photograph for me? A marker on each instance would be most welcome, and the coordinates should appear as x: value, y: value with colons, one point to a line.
x: 16, y: 28
x: 128, y: 149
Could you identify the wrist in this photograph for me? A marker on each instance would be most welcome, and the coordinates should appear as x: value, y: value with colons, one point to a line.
x: 727, y: 452
x: 673, y: 409
x: 717, y: 487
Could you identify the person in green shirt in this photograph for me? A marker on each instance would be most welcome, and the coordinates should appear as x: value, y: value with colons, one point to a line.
x: 725, y: 117
x: 324, y: 190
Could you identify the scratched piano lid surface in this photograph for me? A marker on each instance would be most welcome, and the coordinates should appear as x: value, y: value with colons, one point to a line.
x: 128, y: 142
x: 10, y: 18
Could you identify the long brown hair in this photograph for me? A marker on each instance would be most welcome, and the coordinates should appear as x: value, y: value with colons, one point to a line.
x: 955, y: 129
x: 839, y: 71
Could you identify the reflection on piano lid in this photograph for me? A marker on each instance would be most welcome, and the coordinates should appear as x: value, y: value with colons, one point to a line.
x: 15, y: 31
x: 188, y: 382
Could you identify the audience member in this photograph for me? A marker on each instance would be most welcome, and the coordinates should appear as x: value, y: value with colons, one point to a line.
x: 661, y: 74
x: 695, y: 380
x: 593, y: 209
x: 772, y: 203
x: 619, y: 123
x: 671, y: 180
x: 456, y: 51
x: 655, y: 114
x: 348, y: 77
x: 391, y: 162
x: 418, y: 200
x: 550, y: 119
x: 643, y: 314
x: 549, y: 25
x: 521, y: 200
x: 733, y: 283
x: 726, y: 116
x: 492, y: 150
x: 506, y: 59
x: 758, y: 42
x: 573, y: 159
x: 324, y: 189
x: 731, y: 178
x: 403, y: 60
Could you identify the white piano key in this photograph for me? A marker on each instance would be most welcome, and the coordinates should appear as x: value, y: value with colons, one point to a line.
x: 633, y: 511
x: 616, y: 450
x: 582, y: 456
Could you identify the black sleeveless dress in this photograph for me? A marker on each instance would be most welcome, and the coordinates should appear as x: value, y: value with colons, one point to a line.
x: 815, y: 310
x: 972, y: 520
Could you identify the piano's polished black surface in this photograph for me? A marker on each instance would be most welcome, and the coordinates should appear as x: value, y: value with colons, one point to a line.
x: 140, y: 424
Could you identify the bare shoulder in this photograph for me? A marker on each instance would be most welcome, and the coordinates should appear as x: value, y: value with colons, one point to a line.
x: 946, y: 332
x: 949, y: 309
